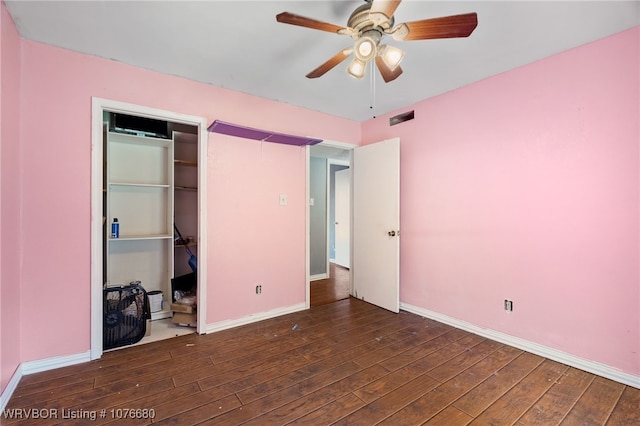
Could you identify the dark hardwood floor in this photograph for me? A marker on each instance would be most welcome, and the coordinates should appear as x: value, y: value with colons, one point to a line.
x: 346, y: 362
x: 331, y: 289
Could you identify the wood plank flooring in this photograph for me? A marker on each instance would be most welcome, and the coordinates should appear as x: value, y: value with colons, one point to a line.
x: 331, y: 289
x: 344, y: 363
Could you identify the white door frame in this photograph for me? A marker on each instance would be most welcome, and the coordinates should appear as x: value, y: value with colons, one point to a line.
x: 98, y: 105
x: 335, y: 144
x: 331, y: 162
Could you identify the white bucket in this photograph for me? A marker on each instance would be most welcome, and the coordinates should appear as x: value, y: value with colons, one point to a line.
x: 155, y: 300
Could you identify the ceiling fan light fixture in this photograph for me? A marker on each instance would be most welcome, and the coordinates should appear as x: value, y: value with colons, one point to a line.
x: 365, y: 48
x: 357, y: 68
x: 392, y: 56
x: 369, y: 23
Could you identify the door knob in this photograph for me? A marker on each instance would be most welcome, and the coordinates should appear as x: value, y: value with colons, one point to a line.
x: 392, y: 233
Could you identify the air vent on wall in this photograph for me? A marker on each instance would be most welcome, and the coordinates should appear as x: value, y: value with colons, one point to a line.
x: 401, y: 118
x: 261, y: 135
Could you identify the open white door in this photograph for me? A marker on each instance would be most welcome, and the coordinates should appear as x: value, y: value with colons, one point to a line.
x: 376, y: 224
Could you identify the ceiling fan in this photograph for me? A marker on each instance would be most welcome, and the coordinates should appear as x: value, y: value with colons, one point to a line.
x: 368, y: 24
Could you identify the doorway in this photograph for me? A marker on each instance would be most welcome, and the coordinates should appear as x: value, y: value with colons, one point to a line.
x: 186, y: 125
x: 329, y: 223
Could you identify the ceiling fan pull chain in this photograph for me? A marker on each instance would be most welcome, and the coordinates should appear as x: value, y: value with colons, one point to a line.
x: 373, y: 88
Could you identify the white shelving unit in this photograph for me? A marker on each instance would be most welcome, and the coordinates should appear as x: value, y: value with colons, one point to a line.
x: 140, y: 194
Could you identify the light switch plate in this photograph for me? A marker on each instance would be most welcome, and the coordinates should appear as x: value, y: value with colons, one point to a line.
x: 283, y: 199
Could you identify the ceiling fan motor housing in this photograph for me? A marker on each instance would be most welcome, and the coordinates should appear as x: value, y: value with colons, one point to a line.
x: 361, y: 21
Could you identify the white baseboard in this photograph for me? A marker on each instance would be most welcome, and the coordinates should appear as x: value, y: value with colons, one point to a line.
x: 535, y: 348
x: 38, y: 366
x: 11, y: 387
x: 47, y: 364
x: 223, y: 325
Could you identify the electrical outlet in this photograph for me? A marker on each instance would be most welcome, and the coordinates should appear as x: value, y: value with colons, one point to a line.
x: 508, y: 305
x: 259, y: 289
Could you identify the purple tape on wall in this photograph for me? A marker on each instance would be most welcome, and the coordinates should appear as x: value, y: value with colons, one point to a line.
x: 262, y: 135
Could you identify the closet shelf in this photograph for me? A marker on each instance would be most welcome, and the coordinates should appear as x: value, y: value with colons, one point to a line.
x: 144, y: 185
x: 165, y: 313
x: 192, y: 244
x: 186, y: 188
x: 142, y: 237
x: 186, y: 163
x: 262, y: 135
x: 132, y: 139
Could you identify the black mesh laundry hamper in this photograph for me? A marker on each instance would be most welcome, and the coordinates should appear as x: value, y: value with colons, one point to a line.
x: 126, y: 311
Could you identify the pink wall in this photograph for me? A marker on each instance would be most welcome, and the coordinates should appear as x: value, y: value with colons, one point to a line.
x: 10, y: 243
x: 253, y: 219
x: 243, y: 192
x: 525, y: 186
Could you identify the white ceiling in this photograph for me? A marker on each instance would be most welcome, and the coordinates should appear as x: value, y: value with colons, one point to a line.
x: 239, y: 45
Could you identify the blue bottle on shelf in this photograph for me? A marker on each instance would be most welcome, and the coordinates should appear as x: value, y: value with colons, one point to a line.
x: 115, y: 228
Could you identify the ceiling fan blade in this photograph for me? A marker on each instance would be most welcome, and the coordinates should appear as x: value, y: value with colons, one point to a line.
x: 388, y: 7
x: 290, y: 18
x: 387, y: 73
x: 445, y: 27
x: 331, y: 63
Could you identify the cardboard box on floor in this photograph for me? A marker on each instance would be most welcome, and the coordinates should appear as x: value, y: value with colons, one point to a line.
x: 181, y: 318
x: 183, y: 314
x: 181, y: 307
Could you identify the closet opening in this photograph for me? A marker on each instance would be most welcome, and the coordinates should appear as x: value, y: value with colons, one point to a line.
x: 149, y: 285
